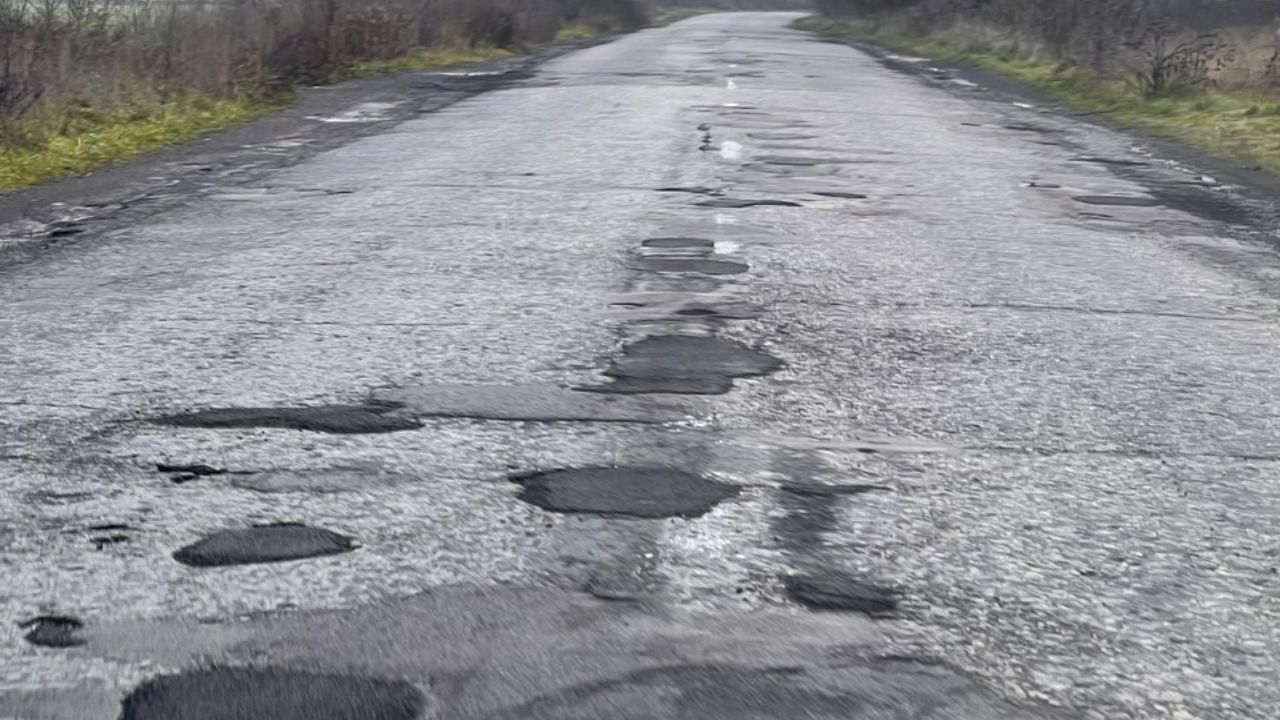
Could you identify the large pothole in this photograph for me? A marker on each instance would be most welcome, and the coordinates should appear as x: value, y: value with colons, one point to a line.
x: 639, y: 492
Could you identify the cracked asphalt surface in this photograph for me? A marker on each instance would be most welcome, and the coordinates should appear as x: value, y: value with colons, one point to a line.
x: 977, y: 423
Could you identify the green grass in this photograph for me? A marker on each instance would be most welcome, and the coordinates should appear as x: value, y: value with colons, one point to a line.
x: 576, y: 31
x: 1242, y: 127
x: 87, y: 139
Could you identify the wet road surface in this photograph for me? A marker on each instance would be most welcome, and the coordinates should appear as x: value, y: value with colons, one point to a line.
x: 715, y: 372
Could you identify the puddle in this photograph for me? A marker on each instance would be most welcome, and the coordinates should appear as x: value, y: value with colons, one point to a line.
x: 1119, y: 200
x: 638, y: 492
x: 535, y: 402
x: 833, y: 590
x: 54, y: 631
x: 738, y: 203
x: 223, y: 693
x: 678, y: 242
x: 684, y: 364
x: 264, y: 544
x: 690, y: 265
x: 339, y: 419
x: 364, y: 112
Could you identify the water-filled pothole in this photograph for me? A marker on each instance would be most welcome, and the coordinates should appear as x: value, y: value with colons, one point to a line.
x: 223, y: 693
x: 834, y: 590
x: 264, y: 544
x: 55, y: 631
x: 678, y: 242
x: 684, y: 364
x: 639, y: 492
x: 340, y: 419
x: 738, y: 203
x: 703, y: 266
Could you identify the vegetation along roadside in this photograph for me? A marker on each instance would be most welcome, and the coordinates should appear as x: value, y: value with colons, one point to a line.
x: 86, y: 83
x: 1203, y: 72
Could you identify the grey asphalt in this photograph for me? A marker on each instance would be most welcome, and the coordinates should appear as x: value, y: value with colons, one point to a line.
x: 982, y: 444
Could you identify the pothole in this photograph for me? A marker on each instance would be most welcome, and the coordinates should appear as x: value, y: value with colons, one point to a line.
x: 685, y: 364
x: 801, y: 161
x: 678, y: 242
x: 534, y: 402
x: 817, y: 490
x: 223, y: 693
x: 739, y: 203
x: 55, y: 631
x: 323, y: 481
x: 1117, y: 200
x: 841, y: 195
x: 691, y: 190
x: 339, y: 419
x: 832, y: 590
x: 639, y: 492
x: 181, y: 474
x: 690, y: 265
x: 264, y: 544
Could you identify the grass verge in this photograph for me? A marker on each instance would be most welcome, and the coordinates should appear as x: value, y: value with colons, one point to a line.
x: 1242, y: 127
x: 87, y: 139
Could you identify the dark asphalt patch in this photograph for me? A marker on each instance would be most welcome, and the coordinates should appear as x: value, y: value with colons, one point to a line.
x: 339, y: 419
x: 738, y: 203
x: 55, y: 631
x: 690, y: 265
x: 264, y: 544
x: 1117, y: 200
x: 678, y: 242
x: 638, y: 492
x: 829, y: 590
x: 842, y: 195
x: 269, y: 693
x: 685, y: 364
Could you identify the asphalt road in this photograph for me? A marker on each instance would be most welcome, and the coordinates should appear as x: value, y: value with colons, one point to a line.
x: 714, y: 372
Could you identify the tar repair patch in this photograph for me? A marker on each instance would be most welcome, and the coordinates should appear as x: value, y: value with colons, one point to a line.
x: 264, y: 544
x: 222, y: 693
x: 640, y: 492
